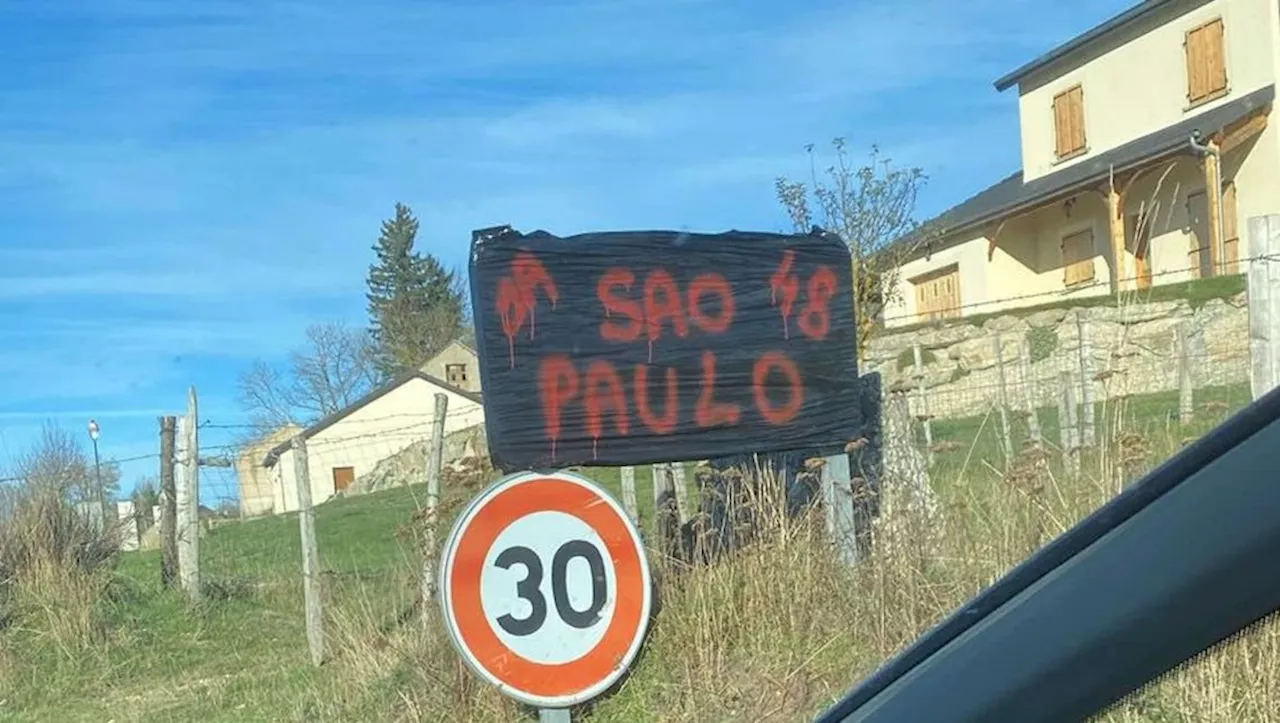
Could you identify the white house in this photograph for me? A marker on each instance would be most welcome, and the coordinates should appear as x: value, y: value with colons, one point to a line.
x: 349, y: 443
x: 257, y: 495
x: 457, y: 364
x: 1145, y: 148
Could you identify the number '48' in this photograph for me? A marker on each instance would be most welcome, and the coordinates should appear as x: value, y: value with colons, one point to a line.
x: 815, y: 316
x: 529, y: 589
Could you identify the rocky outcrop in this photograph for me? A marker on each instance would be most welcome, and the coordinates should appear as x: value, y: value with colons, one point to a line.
x: 409, y: 466
x: 1133, y: 349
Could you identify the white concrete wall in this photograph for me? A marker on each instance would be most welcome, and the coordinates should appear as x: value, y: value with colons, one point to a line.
x: 369, y: 435
x: 1135, y: 82
x: 255, y: 483
x: 128, y: 526
x: 455, y: 353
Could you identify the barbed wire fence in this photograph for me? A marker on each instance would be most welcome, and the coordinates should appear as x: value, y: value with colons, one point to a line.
x: 1082, y: 385
x: 974, y: 393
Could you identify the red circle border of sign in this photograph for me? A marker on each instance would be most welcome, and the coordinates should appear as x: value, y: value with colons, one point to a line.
x: 539, y: 684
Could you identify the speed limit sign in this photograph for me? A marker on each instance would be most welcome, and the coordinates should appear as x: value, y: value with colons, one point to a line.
x: 546, y: 588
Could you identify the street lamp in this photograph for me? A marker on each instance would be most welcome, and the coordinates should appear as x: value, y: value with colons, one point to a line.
x: 94, y: 433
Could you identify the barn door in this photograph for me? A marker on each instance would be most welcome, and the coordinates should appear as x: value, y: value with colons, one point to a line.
x: 343, y: 477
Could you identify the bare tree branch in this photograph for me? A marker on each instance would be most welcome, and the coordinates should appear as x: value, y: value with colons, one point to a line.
x: 58, y: 463
x: 872, y: 207
x: 328, y: 373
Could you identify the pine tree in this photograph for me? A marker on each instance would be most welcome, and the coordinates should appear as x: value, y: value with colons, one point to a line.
x: 415, y: 305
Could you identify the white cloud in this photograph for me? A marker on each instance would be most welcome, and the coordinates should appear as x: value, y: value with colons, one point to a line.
x: 203, y: 181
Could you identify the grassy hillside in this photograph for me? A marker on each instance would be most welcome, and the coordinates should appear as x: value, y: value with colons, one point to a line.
x: 773, y: 634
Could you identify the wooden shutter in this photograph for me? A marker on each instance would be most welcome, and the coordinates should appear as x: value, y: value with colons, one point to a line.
x: 1068, y: 122
x: 1230, y: 231
x: 1206, y: 62
x: 1077, y: 258
x: 938, y: 294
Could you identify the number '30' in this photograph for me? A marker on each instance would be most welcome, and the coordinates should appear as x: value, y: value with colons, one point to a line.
x: 529, y: 588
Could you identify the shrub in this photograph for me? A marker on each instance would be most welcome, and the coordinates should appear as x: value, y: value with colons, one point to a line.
x: 54, y: 566
x: 1043, y: 341
x: 907, y: 358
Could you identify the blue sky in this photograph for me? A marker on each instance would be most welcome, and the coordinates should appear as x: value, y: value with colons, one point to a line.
x: 185, y: 186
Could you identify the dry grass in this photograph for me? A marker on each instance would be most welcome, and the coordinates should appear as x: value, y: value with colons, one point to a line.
x: 778, y: 630
x: 773, y: 632
x: 54, y: 572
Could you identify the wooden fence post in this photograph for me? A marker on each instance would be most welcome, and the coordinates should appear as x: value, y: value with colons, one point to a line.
x: 628, y: 477
x: 1086, y: 377
x: 187, y: 527
x: 837, y: 501
x: 1263, y: 269
x: 1069, y: 423
x: 1029, y: 392
x: 1186, y: 390
x: 191, y: 576
x: 1002, y: 399
x: 681, y: 487
x: 918, y: 357
x: 666, y: 511
x: 310, y: 553
x: 168, y: 502
x: 435, y: 467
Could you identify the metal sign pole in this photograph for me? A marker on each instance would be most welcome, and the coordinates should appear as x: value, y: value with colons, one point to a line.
x: 553, y: 715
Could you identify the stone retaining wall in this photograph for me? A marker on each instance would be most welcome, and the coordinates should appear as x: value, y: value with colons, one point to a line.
x: 1134, y: 350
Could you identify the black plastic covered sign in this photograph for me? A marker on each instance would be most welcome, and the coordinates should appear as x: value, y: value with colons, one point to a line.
x: 637, y: 347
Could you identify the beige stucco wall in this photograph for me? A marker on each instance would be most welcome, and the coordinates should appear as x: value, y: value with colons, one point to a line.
x: 256, y: 489
x: 1026, y: 268
x: 1255, y: 168
x: 455, y: 353
x: 1135, y: 83
x: 371, y: 434
x: 1161, y: 194
x: 1029, y: 251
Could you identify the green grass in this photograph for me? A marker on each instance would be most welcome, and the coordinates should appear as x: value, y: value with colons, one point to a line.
x: 242, y: 654
x: 965, y: 444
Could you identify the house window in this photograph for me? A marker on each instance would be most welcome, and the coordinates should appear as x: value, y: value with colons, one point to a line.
x: 1068, y: 122
x: 1206, y: 63
x: 1077, y: 258
x: 455, y: 374
x: 938, y: 294
x: 1230, y: 231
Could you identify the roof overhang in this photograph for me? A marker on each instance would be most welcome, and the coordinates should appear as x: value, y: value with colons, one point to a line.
x: 1012, y: 197
x: 1090, y: 36
x: 273, y: 456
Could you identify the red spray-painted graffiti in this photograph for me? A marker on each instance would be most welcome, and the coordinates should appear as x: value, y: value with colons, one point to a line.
x: 663, y: 349
x: 517, y: 300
